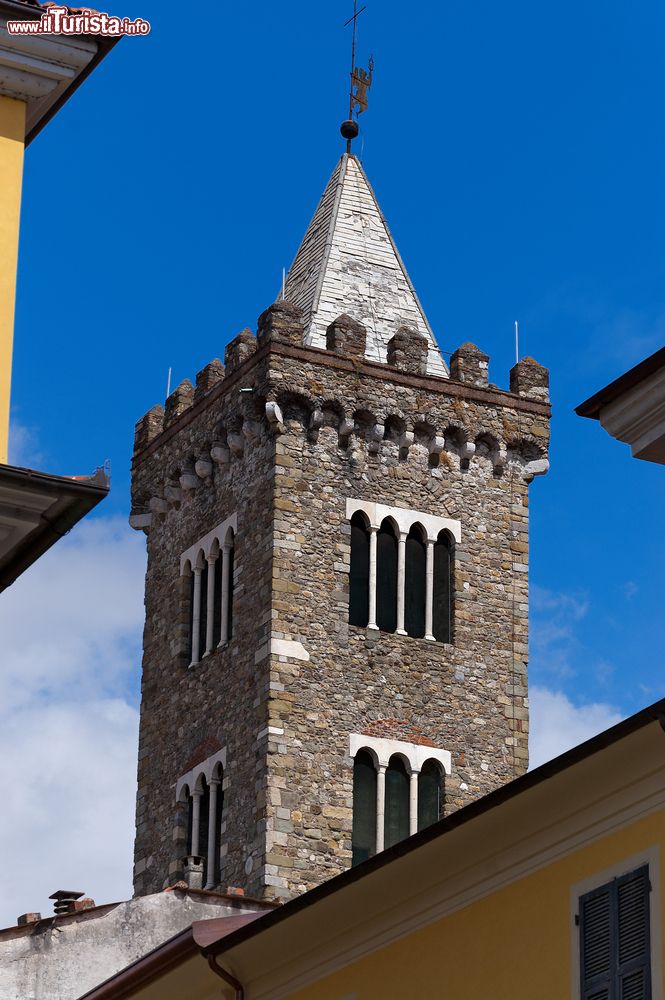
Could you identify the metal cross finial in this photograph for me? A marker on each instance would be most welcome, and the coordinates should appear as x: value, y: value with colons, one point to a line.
x: 361, y: 81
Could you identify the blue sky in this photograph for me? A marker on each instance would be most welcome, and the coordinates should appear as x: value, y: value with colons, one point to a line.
x: 517, y: 151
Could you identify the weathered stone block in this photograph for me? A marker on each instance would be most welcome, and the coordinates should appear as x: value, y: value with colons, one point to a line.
x: 407, y: 350
x: 346, y: 337
x: 282, y: 321
x: 470, y: 365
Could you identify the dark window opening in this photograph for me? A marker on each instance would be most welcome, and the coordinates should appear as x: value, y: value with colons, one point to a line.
x: 231, y: 566
x: 204, y: 609
x: 217, y: 610
x: 396, y: 826
x: 414, y: 584
x: 386, y: 578
x: 429, y: 794
x: 204, y: 819
x: 191, y: 609
x: 359, y: 572
x: 443, y: 588
x: 364, y: 807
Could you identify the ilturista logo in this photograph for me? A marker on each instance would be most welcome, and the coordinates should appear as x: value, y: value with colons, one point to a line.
x: 82, y: 21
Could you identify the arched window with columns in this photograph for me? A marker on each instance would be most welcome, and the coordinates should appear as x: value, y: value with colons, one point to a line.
x: 200, y: 792
x: 209, y: 566
x: 397, y: 790
x: 402, y: 563
x: 386, y: 577
x: 415, y: 582
x: 364, y: 807
x: 359, y: 571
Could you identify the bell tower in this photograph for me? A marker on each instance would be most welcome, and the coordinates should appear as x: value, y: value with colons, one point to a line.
x: 335, y: 647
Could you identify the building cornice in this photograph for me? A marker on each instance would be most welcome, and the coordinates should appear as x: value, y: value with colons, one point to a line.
x: 44, y: 70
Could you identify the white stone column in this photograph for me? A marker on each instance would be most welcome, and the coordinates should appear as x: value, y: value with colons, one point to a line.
x: 372, y: 577
x: 196, y: 616
x: 401, y: 575
x: 380, y: 806
x: 210, y: 604
x: 226, y: 566
x: 196, y: 819
x: 413, y: 803
x: 212, y: 835
x: 429, y: 590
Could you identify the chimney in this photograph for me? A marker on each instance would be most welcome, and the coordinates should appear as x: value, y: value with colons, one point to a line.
x: 28, y: 918
x: 68, y: 901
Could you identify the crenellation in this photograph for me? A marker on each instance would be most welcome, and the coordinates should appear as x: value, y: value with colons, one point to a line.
x: 178, y: 402
x: 346, y: 337
x: 208, y: 378
x: 407, y: 349
x: 149, y: 427
x: 239, y: 350
x: 530, y: 379
x: 281, y: 322
x: 470, y: 365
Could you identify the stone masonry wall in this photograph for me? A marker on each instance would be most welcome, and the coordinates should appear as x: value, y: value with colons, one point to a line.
x: 318, y: 428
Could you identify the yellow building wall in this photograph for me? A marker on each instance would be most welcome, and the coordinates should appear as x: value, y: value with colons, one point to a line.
x: 12, y: 135
x: 513, y: 945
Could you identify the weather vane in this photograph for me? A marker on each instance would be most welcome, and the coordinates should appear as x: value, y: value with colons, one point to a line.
x: 361, y: 81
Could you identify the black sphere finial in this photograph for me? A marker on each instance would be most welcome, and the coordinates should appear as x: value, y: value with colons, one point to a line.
x: 349, y: 129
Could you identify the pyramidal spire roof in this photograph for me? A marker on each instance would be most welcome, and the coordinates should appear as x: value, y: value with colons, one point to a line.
x: 348, y: 263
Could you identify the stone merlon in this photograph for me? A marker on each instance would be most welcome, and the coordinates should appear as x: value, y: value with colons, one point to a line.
x: 531, y: 380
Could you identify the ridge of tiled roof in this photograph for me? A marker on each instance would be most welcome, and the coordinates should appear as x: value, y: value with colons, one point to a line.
x: 348, y: 263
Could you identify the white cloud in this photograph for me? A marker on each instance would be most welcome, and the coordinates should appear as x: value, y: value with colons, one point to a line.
x: 71, y: 639
x: 23, y: 445
x: 557, y: 724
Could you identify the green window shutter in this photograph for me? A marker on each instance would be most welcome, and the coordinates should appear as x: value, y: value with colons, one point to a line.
x: 615, y: 941
x: 634, y: 965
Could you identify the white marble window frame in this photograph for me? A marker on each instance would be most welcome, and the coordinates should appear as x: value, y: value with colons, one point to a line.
x: 404, y: 520
x: 205, y: 769
x: 205, y: 544
x: 414, y: 755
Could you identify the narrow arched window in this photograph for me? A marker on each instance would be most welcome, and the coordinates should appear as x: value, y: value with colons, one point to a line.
x: 386, y: 577
x: 429, y: 794
x: 203, y: 620
x: 443, y: 588
x: 189, y: 803
x: 217, y: 603
x: 204, y: 818
x: 231, y: 571
x: 364, y: 807
x: 359, y: 572
x: 396, y: 826
x: 414, y: 583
